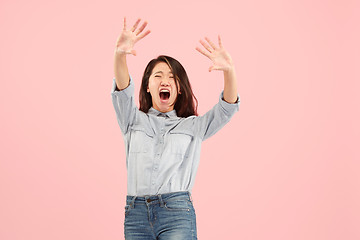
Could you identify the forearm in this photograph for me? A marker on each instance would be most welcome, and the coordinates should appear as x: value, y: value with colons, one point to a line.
x: 121, y: 71
x: 230, y: 85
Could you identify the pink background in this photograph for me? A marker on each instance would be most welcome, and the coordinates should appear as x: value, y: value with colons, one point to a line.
x: 285, y: 167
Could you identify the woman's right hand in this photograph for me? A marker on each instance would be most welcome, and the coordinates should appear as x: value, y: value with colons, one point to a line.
x: 127, y: 39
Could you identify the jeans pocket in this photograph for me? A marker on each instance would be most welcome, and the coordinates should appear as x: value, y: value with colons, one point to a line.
x: 178, y: 205
x: 127, y: 209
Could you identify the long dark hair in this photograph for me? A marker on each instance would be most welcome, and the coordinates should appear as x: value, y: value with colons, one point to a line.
x: 185, y: 102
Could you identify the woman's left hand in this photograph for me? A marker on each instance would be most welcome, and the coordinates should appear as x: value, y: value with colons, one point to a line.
x: 220, y: 58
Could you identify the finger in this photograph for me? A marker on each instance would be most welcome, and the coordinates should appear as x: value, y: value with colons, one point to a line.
x: 124, y: 23
x: 133, y: 52
x: 220, y: 43
x: 135, y: 25
x: 141, y: 28
x: 141, y: 36
x: 211, y: 43
x: 205, y: 45
x: 203, y: 52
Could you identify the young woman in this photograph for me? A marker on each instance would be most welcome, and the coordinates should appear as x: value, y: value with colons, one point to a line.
x: 163, y: 138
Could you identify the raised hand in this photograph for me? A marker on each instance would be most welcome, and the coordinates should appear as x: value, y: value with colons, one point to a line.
x: 220, y: 58
x: 127, y: 39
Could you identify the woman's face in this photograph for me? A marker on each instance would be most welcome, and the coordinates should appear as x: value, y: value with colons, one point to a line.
x: 162, y: 88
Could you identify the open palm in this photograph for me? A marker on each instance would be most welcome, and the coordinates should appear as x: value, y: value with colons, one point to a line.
x: 127, y: 39
x: 220, y: 58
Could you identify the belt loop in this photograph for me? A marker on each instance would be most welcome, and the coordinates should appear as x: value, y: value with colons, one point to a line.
x: 161, y: 200
x: 190, y: 197
x: 132, y: 204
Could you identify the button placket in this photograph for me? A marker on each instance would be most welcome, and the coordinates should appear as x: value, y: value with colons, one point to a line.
x: 158, y: 150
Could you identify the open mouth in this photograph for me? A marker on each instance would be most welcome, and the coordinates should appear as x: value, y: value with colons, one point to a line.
x: 164, y: 95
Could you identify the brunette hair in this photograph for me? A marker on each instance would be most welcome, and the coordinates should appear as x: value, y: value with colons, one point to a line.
x: 185, y: 102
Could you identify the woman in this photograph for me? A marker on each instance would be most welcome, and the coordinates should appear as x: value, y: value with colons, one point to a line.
x: 163, y: 138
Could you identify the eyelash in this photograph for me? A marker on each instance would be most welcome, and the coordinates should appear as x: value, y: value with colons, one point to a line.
x: 160, y: 76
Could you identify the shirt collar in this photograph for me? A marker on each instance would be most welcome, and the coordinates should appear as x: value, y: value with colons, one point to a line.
x: 170, y: 114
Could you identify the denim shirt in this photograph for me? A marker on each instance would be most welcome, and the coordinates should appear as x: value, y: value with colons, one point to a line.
x: 162, y: 149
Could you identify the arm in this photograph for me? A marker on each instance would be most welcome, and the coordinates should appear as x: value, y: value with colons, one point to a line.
x: 121, y: 71
x: 230, y: 86
x: 229, y: 100
x: 122, y: 91
x: 124, y: 46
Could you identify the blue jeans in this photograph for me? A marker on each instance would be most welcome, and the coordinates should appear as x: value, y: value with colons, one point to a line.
x: 169, y: 216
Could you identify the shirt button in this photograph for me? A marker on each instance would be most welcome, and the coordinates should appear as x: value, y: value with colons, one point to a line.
x: 153, y: 183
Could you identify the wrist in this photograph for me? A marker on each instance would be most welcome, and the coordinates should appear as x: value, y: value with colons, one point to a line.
x: 229, y: 69
x: 120, y: 55
x: 120, y: 52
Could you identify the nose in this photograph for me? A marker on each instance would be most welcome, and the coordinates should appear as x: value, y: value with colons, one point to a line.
x: 164, y: 82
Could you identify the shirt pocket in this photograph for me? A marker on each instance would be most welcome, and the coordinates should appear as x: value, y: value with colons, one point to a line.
x: 141, y: 139
x: 180, y: 141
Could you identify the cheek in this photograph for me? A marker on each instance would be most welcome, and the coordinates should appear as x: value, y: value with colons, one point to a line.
x: 178, y: 86
x: 151, y: 86
x: 174, y: 96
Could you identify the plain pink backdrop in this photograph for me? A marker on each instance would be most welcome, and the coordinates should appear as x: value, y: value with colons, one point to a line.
x: 285, y: 167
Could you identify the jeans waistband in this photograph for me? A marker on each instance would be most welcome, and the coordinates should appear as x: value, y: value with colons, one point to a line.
x: 160, y: 198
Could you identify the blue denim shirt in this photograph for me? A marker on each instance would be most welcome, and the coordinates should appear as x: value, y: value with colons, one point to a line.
x: 162, y: 149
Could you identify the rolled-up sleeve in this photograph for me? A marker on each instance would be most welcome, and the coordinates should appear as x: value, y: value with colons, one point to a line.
x: 216, y: 118
x: 124, y: 105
